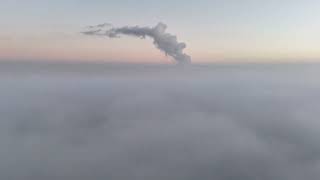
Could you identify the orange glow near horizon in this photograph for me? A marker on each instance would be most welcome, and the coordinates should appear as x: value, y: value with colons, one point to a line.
x: 131, y: 50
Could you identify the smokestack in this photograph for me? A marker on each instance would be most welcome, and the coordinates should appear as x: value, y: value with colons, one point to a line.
x: 164, y: 41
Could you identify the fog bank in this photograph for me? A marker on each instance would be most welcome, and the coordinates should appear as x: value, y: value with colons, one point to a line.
x: 199, y: 122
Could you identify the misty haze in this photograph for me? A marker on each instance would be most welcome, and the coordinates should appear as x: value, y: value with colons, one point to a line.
x: 159, y: 122
x: 159, y: 90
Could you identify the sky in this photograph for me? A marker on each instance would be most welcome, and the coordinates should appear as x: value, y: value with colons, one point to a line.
x: 214, y: 30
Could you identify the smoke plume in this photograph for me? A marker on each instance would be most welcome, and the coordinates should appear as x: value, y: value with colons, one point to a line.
x: 164, y: 41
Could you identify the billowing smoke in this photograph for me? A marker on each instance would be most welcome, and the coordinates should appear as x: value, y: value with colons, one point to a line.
x: 164, y: 41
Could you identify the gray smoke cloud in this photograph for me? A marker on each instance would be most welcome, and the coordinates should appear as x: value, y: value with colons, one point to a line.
x: 100, y: 25
x: 164, y: 41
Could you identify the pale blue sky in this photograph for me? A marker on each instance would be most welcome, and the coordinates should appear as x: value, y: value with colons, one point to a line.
x: 214, y: 30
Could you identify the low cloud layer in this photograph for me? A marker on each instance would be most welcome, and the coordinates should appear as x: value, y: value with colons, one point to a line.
x: 164, y: 41
x: 161, y: 123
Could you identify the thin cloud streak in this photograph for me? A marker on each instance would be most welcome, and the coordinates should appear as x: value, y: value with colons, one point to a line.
x: 164, y: 41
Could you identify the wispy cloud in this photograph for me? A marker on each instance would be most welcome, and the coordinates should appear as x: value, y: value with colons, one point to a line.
x: 164, y: 41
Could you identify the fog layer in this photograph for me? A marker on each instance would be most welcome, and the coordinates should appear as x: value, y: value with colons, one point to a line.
x: 161, y: 123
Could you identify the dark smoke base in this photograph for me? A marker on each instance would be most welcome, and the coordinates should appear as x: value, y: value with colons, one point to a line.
x: 247, y: 122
